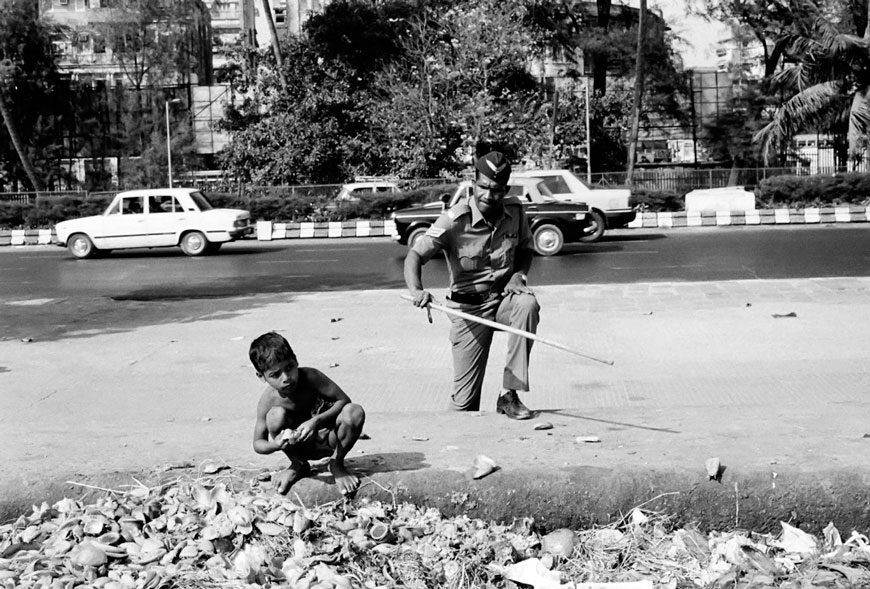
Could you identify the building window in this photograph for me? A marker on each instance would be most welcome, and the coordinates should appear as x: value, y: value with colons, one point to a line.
x: 280, y: 16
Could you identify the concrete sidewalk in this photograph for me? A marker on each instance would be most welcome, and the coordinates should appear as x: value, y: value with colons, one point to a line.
x: 700, y: 370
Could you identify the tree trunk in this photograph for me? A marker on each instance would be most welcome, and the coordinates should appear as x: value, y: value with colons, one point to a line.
x: 12, y: 129
x: 276, y: 45
x: 638, y: 93
x: 599, y: 58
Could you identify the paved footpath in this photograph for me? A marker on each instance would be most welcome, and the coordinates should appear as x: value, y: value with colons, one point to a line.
x: 771, y: 377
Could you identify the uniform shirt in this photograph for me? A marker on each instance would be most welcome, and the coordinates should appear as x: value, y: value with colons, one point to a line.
x: 480, y: 256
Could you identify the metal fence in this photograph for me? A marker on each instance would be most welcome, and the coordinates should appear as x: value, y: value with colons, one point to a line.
x: 675, y: 180
x: 683, y: 180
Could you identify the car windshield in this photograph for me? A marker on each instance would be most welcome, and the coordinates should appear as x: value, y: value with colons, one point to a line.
x: 201, y: 201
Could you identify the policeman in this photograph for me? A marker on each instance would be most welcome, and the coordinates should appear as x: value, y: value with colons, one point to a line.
x: 488, y: 246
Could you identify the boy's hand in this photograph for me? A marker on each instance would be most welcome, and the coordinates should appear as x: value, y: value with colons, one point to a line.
x: 307, y: 430
x: 289, y: 437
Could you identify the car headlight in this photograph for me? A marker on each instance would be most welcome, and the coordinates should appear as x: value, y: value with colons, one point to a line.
x: 240, y: 223
x: 579, y: 216
x: 393, y: 216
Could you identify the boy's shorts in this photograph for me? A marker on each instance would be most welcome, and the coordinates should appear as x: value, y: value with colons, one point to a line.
x: 315, y: 448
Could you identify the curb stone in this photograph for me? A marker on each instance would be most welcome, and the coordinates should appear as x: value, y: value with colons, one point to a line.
x: 275, y: 230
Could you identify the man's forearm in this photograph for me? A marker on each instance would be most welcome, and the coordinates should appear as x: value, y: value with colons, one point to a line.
x: 413, y: 271
x: 523, y: 261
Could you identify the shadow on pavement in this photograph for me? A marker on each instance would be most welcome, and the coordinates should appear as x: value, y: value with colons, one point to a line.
x: 564, y: 413
x: 388, y: 462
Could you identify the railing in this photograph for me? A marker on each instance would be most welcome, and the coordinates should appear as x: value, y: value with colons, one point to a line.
x: 683, y: 180
x: 677, y: 180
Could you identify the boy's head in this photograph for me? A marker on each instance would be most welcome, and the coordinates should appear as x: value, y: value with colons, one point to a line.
x: 268, y: 350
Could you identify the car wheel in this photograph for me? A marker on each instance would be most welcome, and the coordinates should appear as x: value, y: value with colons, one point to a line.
x: 548, y: 240
x: 415, y: 235
x: 81, y: 246
x: 194, y: 244
x: 596, y: 227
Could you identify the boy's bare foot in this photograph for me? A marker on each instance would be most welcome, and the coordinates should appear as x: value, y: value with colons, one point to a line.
x: 287, y: 478
x: 346, y: 481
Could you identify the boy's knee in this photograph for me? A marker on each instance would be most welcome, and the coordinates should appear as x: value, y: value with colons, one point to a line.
x: 353, y: 414
x: 276, y: 420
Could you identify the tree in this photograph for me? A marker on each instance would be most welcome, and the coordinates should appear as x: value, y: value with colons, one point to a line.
x: 638, y: 90
x: 827, y: 82
x: 462, y: 81
x: 276, y: 42
x: 28, y: 78
x: 770, y: 22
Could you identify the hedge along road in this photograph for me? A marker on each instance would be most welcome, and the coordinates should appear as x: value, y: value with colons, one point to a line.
x: 46, y: 293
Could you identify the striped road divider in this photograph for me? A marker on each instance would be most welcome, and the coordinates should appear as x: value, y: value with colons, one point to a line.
x: 276, y: 230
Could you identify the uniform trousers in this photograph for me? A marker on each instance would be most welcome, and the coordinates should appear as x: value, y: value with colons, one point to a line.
x: 471, y: 342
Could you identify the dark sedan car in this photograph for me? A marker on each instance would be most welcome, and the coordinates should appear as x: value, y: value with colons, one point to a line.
x: 553, y: 223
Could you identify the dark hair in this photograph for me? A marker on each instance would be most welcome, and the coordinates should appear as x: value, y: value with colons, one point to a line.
x: 270, y: 349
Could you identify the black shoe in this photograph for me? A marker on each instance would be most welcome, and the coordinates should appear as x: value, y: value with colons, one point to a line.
x: 509, y: 404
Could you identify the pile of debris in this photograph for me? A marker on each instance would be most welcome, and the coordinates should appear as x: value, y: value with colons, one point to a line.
x: 206, y: 533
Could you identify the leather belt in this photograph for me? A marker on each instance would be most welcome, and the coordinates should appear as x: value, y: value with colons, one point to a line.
x: 469, y: 298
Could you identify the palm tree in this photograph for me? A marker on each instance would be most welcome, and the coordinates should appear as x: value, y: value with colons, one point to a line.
x: 6, y: 67
x: 830, y: 78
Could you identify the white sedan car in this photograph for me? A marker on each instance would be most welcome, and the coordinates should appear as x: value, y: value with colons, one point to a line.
x: 159, y: 217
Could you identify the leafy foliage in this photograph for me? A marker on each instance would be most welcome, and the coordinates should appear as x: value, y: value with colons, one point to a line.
x: 798, y: 192
x: 29, y: 91
x: 437, y: 81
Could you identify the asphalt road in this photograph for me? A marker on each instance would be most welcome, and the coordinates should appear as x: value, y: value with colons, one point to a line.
x: 252, y: 267
x: 47, y: 294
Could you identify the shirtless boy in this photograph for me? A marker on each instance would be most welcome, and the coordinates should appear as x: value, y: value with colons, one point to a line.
x: 304, y: 414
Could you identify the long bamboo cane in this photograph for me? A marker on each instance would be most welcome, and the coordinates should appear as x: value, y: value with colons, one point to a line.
x: 509, y: 329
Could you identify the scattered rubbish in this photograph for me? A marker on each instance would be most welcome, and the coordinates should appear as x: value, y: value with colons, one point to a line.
x: 420, y: 439
x: 212, y: 467
x: 866, y: 436
x: 334, y: 338
x: 237, y: 338
x: 587, y: 440
x: 533, y: 572
x: 648, y: 313
x: 796, y: 541
x: 335, y: 320
x: 178, y: 466
x: 207, y: 533
x: 714, y: 469
x: 27, y: 340
x: 381, y: 533
x: 483, y: 465
x: 559, y: 542
x: 333, y: 365
x: 543, y: 425
x: 264, y: 476
x: 748, y: 304
x: 779, y: 316
x: 205, y: 418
